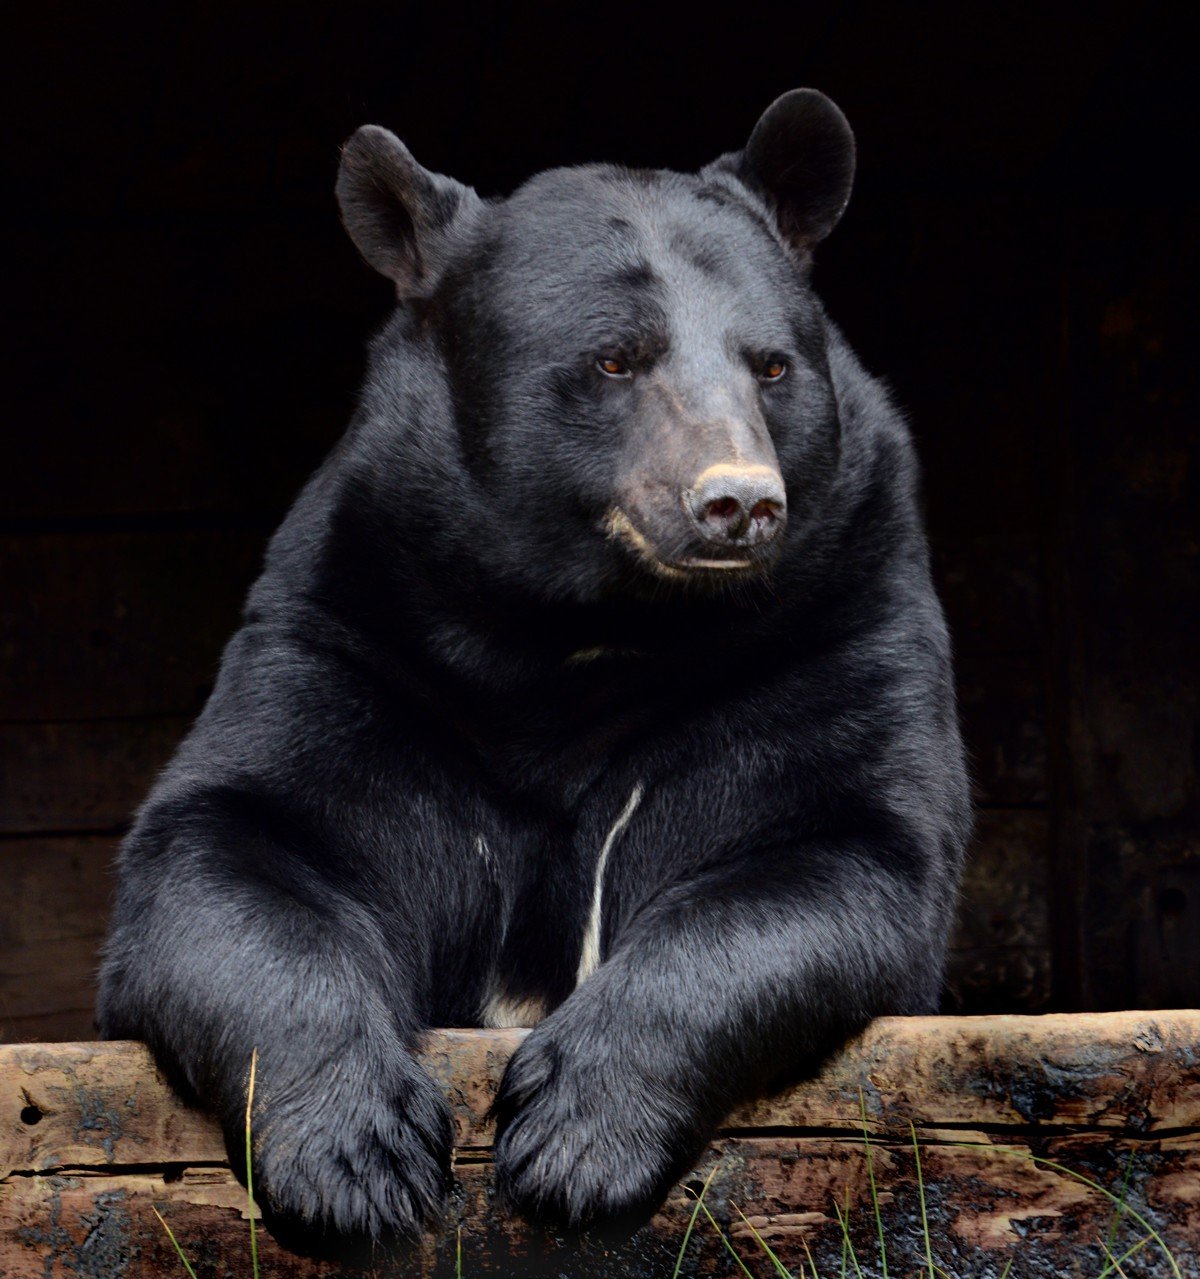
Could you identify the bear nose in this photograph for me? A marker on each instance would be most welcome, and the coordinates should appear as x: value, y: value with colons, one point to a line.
x: 732, y: 505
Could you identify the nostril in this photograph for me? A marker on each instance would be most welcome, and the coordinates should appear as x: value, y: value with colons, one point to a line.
x: 766, y: 510
x: 723, y: 508
x: 736, y: 506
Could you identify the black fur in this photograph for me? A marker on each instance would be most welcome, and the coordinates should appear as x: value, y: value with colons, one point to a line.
x: 454, y: 678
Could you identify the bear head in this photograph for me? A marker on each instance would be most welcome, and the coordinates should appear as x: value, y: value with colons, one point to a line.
x: 617, y: 380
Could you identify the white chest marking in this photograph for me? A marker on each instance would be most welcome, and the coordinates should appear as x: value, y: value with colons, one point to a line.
x: 503, y: 1013
x: 485, y: 855
x: 589, y: 959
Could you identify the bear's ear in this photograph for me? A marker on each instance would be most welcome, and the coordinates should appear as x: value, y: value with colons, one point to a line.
x: 801, y: 156
x: 399, y: 215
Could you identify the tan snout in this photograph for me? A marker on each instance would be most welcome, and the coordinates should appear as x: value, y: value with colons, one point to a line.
x: 734, y: 504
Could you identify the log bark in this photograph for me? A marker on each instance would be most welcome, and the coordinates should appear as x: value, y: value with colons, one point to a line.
x: 93, y: 1141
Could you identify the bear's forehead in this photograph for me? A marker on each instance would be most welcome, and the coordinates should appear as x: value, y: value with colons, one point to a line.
x: 600, y: 214
x: 622, y: 234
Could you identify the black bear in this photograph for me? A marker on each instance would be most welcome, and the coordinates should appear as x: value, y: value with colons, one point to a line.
x: 595, y: 683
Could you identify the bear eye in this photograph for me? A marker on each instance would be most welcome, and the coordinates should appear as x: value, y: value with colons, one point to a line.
x: 610, y: 366
x: 773, y: 370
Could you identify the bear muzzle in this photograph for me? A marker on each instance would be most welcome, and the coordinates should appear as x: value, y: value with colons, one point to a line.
x: 728, y: 522
x: 700, y: 492
x: 737, y: 506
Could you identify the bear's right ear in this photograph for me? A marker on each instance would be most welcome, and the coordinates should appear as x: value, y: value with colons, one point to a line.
x: 398, y: 214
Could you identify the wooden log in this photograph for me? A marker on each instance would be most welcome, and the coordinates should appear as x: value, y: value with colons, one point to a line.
x: 92, y: 1140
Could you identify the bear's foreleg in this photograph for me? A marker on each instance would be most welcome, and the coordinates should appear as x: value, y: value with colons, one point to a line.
x: 724, y: 985
x: 218, y: 954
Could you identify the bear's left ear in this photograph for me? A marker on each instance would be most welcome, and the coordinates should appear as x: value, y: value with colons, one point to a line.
x: 400, y: 216
x: 801, y: 157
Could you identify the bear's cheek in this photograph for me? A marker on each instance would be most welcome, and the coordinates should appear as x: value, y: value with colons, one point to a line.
x: 548, y: 490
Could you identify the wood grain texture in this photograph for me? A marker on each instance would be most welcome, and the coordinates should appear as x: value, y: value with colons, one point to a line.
x: 57, y: 893
x: 999, y: 957
x: 135, y: 625
x: 91, y: 1139
x: 1003, y: 707
x: 81, y: 775
x: 1127, y: 582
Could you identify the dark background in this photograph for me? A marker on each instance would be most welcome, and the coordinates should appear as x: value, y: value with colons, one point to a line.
x: 186, y: 336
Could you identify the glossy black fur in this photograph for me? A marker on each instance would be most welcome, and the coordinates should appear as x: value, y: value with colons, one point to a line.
x: 450, y: 682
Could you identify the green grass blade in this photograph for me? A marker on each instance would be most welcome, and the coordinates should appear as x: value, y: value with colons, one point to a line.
x: 250, y: 1168
x: 1117, y: 1263
x: 847, y: 1242
x: 780, y: 1268
x: 1007, y: 1268
x: 847, y: 1246
x: 921, y: 1195
x: 1086, y: 1181
x: 458, y: 1254
x: 1114, y: 1265
x: 187, y: 1265
x: 691, y: 1225
x: 811, y: 1262
x: 1116, y: 1217
x: 862, y: 1107
x: 712, y: 1221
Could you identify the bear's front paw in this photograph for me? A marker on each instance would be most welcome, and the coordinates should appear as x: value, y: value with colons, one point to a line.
x: 350, y: 1159
x: 586, y: 1140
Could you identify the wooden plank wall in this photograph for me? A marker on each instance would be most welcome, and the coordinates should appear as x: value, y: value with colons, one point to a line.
x: 192, y: 337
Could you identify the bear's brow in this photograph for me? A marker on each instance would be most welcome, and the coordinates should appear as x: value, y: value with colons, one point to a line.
x: 633, y: 275
x: 704, y: 256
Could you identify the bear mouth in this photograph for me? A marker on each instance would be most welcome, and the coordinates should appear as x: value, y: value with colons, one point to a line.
x: 618, y: 527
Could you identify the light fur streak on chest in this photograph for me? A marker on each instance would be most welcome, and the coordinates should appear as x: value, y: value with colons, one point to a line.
x: 504, y: 1013
x: 589, y: 959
